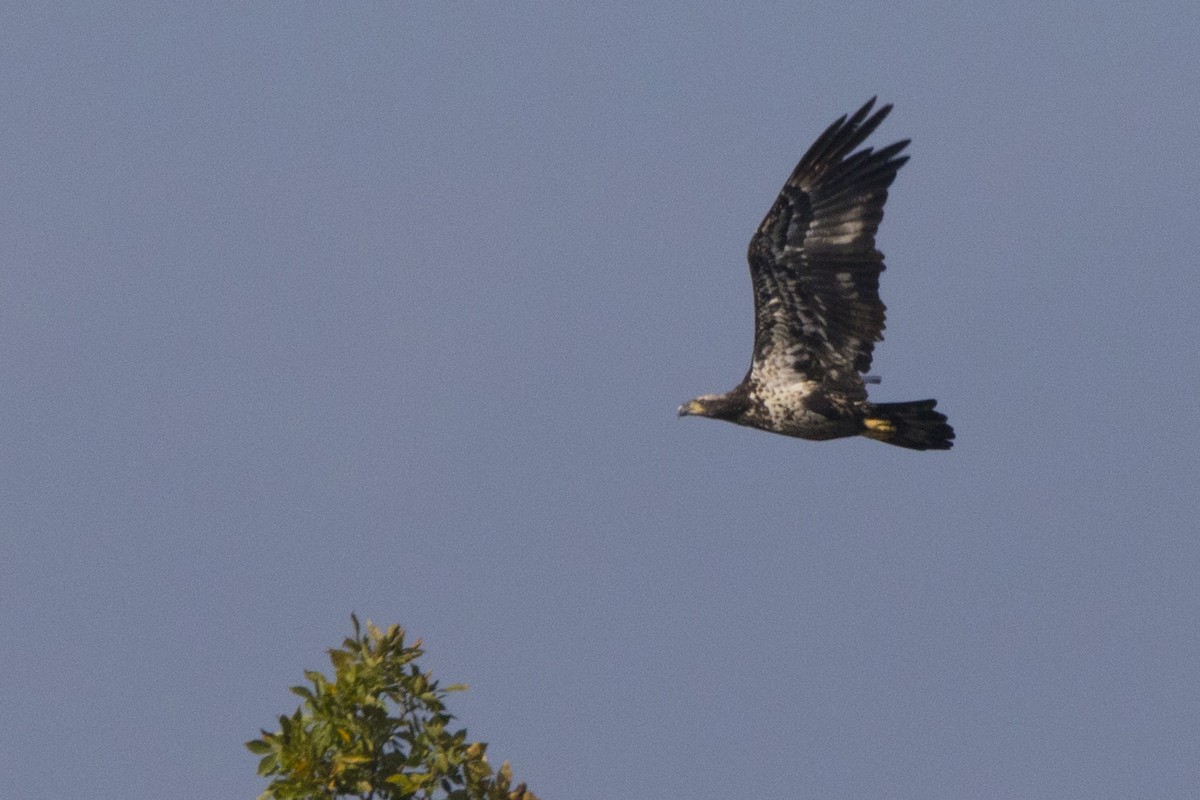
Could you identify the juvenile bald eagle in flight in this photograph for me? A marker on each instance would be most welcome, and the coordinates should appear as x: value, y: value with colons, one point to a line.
x: 817, y: 313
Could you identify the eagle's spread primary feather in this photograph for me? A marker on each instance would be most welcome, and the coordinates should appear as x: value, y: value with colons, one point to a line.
x: 817, y: 312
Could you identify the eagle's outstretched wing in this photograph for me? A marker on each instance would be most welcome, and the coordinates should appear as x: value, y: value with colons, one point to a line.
x: 814, y: 265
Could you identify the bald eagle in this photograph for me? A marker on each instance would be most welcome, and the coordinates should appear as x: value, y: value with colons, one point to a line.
x: 817, y: 313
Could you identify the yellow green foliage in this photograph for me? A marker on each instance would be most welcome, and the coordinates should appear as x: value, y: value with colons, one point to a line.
x: 379, y: 730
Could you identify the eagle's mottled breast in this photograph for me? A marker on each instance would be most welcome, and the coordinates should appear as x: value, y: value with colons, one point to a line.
x: 802, y: 410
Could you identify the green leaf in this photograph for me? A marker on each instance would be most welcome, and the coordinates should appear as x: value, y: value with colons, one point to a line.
x: 258, y: 747
x: 409, y: 782
x: 304, y: 692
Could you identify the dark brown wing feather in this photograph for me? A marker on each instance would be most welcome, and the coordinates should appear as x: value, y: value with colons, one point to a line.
x: 814, y: 265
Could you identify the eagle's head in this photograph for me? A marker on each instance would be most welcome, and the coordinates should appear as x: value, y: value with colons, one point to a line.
x: 717, y: 406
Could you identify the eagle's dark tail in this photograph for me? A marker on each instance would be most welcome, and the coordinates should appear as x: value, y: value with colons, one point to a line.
x: 913, y: 425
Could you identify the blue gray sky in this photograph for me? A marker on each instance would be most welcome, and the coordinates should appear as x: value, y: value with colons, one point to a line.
x: 387, y: 307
